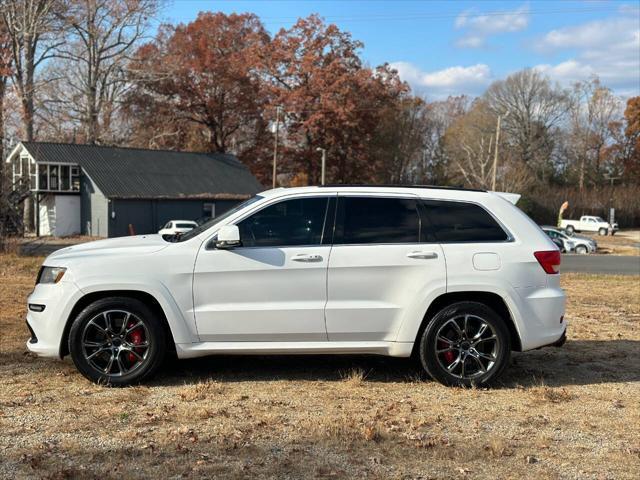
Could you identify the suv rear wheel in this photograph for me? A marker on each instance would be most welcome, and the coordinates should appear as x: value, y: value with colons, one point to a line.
x: 465, y: 344
x: 117, y: 341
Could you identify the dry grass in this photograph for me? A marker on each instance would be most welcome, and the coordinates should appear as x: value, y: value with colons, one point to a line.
x: 622, y: 243
x: 562, y: 413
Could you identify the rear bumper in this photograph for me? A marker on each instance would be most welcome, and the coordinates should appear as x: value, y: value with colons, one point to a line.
x: 540, y: 317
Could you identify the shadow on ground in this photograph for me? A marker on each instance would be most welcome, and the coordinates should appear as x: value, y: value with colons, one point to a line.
x: 577, y: 363
x: 580, y: 362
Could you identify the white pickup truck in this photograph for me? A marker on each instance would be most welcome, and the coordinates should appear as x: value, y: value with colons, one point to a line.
x: 589, y: 223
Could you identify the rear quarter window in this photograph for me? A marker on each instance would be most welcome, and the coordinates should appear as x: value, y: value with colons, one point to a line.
x: 448, y: 221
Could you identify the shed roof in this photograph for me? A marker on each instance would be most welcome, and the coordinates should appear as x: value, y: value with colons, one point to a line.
x: 140, y: 173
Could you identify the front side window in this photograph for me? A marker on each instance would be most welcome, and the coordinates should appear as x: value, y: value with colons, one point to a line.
x: 362, y: 220
x: 291, y: 222
x: 461, y: 222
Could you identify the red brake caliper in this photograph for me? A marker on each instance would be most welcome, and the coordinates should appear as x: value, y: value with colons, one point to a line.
x: 449, y: 356
x: 136, y: 337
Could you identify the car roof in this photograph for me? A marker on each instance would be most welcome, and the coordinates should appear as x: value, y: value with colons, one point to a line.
x: 434, y: 192
x: 183, y: 221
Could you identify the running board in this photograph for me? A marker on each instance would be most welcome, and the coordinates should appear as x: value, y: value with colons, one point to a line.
x: 201, y: 349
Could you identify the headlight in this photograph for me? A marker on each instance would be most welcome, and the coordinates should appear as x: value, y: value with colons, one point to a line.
x: 50, y: 274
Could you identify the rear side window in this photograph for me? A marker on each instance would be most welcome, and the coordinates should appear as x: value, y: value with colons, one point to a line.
x: 377, y: 220
x: 291, y: 222
x: 460, y: 222
x: 185, y: 225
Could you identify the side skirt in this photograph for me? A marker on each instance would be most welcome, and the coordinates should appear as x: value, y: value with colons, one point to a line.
x: 201, y: 349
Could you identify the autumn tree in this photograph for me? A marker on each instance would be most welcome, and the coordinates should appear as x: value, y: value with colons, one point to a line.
x: 329, y: 98
x: 624, y: 152
x: 199, y: 86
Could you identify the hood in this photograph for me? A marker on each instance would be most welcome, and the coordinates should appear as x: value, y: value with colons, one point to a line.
x: 138, y: 245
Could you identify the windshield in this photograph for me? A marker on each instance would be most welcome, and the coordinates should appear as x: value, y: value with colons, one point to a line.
x: 598, y: 219
x: 208, y: 224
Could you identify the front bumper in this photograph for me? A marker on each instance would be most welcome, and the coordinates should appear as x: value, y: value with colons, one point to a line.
x: 47, y: 327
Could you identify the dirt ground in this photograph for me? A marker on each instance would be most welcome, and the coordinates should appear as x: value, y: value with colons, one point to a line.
x: 571, y: 412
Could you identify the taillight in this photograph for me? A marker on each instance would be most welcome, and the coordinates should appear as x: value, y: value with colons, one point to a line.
x: 549, y: 260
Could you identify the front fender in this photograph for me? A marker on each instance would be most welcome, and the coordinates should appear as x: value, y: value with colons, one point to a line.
x: 183, y: 326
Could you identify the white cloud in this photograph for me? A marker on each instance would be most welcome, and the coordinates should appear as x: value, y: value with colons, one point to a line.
x: 479, y: 26
x: 609, y: 49
x: 456, y: 80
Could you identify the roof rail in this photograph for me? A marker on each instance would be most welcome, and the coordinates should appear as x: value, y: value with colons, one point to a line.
x: 432, y: 187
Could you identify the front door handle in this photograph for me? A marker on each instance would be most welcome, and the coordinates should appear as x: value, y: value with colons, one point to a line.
x: 307, y: 257
x: 422, y: 255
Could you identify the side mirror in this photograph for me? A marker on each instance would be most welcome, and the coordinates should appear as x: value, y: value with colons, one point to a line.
x: 228, y: 237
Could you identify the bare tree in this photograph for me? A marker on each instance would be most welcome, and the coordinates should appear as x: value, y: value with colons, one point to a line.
x: 33, y: 32
x: 470, y: 144
x: 535, y: 109
x: 592, y: 111
x: 101, y: 35
x: 5, y: 73
x: 34, y: 35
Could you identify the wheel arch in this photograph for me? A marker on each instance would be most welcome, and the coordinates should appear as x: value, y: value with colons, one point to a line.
x: 91, y: 297
x: 490, y: 299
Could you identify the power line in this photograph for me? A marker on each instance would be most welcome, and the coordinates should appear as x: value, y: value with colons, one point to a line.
x: 438, y: 16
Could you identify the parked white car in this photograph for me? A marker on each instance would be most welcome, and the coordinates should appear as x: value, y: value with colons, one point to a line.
x: 589, y: 223
x: 173, y: 227
x: 576, y: 243
x: 459, y: 278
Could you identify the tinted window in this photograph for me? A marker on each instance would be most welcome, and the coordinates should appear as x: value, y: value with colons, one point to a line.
x: 292, y: 222
x: 185, y: 225
x: 377, y: 220
x: 461, y: 222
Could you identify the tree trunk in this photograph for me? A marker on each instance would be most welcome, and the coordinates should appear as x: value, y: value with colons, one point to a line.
x: 27, y: 122
x: 3, y: 86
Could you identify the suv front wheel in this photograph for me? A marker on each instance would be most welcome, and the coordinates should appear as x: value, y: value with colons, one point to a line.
x: 465, y: 344
x: 117, y: 341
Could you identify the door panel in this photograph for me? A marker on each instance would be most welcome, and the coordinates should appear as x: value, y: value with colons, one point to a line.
x: 372, y: 287
x: 378, y: 268
x: 261, y: 294
x: 274, y: 287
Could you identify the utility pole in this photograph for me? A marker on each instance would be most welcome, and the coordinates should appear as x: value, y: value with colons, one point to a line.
x: 275, y: 145
x: 495, y: 157
x: 324, y: 163
x: 612, y: 213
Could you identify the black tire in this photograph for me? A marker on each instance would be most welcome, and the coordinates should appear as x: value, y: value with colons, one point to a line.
x: 581, y: 249
x: 570, y: 230
x: 602, y: 232
x: 150, y: 329
x: 433, y: 362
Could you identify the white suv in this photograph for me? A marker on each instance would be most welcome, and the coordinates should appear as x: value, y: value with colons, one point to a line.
x: 459, y: 278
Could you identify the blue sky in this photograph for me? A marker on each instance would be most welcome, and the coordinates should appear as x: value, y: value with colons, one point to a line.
x: 456, y: 47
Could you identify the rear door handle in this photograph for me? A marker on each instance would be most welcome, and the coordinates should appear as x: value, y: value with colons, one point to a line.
x: 422, y: 255
x: 306, y: 257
